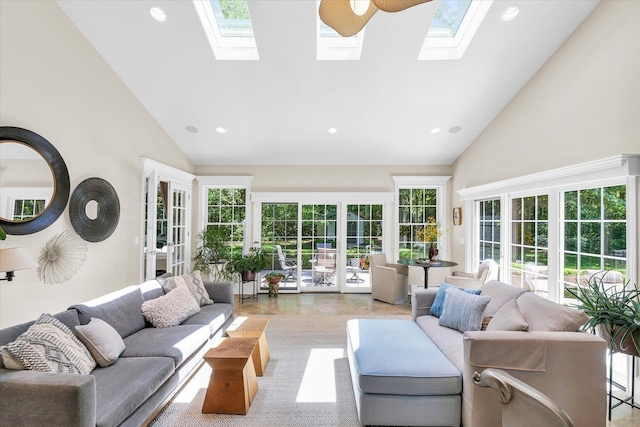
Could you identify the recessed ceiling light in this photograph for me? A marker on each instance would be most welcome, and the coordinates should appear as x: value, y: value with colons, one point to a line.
x: 455, y: 129
x: 510, y: 13
x: 435, y: 130
x: 192, y: 129
x: 157, y: 14
x: 221, y: 130
x: 332, y: 130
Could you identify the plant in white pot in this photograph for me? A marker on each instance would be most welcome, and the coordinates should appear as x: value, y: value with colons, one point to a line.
x: 614, y: 313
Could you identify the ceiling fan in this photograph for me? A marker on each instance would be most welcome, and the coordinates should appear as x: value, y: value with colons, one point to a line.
x: 348, y: 17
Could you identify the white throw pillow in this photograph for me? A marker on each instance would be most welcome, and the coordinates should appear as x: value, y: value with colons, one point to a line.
x: 48, y: 346
x: 104, y: 343
x: 170, y: 309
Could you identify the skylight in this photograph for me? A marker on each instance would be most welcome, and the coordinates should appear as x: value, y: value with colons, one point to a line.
x: 228, y: 27
x: 452, y: 28
x: 331, y: 46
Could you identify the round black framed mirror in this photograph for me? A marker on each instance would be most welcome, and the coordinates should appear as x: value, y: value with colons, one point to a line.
x: 61, y: 184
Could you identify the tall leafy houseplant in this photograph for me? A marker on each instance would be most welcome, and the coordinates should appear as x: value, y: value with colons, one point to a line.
x: 614, y: 314
x: 212, y: 251
x: 252, y: 262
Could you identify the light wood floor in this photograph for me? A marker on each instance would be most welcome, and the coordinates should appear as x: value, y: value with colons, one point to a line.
x: 329, y: 304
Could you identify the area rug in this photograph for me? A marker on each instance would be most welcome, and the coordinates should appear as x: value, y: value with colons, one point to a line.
x: 306, y: 383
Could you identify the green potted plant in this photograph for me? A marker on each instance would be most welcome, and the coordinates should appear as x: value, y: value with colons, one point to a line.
x: 274, y: 277
x: 614, y: 314
x: 212, y: 251
x: 249, y: 264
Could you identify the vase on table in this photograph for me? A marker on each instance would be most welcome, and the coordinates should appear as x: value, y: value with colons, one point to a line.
x: 433, y: 253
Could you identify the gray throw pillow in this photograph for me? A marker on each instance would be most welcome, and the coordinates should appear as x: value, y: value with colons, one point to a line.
x: 463, y: 311
x: 170, y: 309
x: 104, y: 343
x: 508, y: 318
x: 193, y: 282
x: 48, y: 346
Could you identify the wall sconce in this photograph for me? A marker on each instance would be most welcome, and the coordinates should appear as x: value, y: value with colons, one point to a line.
x: 13, y: 259
x: 457, y: 216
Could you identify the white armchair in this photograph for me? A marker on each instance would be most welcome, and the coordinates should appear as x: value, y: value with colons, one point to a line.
x: 388, y: 281
x: 488, y: 270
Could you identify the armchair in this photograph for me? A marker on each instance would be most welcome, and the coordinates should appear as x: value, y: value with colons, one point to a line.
x: 488, y: 270
x: 388, y: 281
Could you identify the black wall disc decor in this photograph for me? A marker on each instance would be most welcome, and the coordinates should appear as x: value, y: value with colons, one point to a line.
x: 108, y: 210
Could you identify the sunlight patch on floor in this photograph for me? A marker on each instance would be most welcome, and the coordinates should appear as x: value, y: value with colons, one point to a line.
x: 319, y: 380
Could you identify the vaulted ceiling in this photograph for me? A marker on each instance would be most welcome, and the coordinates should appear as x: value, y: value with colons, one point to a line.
x: 277, y: 110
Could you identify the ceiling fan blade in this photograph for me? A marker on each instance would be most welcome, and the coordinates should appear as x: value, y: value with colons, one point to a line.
x: 338, y: 15
x: 397, y: 5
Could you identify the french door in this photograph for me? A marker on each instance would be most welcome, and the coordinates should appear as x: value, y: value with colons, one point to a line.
x: 322, y: 246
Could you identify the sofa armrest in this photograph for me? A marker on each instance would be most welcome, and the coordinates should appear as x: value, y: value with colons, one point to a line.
x: 32, y: 398
x: 421, y: 301
x: 220, y: 291
x: 568, y: 367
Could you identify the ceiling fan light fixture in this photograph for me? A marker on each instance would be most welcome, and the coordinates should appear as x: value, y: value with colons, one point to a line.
x: 509, y: 14
x: 158, y: 14
x: 340, y: 15
x: 359, y: 7
x: 397, y: 5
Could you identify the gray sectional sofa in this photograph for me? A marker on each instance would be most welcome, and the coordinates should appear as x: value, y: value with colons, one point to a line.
x: 420, y: 373
x: 155, y: 362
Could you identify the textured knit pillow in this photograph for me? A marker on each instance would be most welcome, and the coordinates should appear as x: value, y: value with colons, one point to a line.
x: 193, y: 282
x: 48, y: 346
x: 508, y: 318
x: 438, y: 302
x: 463, y: 311
x: 104, y: 343
x: 170, y: 309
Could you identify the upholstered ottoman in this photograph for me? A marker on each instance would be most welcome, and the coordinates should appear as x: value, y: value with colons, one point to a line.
x: 400, y: 377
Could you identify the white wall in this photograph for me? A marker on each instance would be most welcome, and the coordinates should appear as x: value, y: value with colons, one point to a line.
x: 54, y: 83
x: 582, y: 105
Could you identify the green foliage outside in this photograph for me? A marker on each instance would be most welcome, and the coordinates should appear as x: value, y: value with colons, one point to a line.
x: 234, y: 9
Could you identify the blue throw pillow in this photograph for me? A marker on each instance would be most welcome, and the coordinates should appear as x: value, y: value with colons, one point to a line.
x: 438, y: 302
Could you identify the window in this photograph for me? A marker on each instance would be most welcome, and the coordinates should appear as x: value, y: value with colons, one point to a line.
x: 529, y: 242
x: 594, y: 230
x: 279, y: 223
x: 489, y: 230
x: 331, y: 46
x: 27, y: 209
x: 448, y: 18
x: 418, y: 207
x: 226, y: 210
x: 227, y: 25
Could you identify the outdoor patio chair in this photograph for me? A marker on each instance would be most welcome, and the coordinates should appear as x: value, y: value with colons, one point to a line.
x: 289, y: 267
x: 324, y: 266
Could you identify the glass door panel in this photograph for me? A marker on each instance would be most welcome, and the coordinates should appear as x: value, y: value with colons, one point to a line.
x: 363, y: 236
x: 177, y: 252
x: 280, y: 242
x: 319, y: 250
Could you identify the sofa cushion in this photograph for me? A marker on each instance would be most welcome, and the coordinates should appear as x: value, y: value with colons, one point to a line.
x: 213, y: 315
x: 381, y: 371
x: 544, y: 315
x: 449, y: 341
x: 48, y: 346
x: 178, y: 342
x: 103, y: 342
x: 170, y: 309
x: 500, y: 293
x: 441, y: 295
x: 463, y: 311
x: 121, y: 309
x: 193, y: 282
x: 125, y: 385
x: 508, y: 318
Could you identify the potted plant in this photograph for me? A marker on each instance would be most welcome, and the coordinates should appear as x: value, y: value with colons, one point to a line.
x: 212, y: 251
x: 614, y: 314
x: 248, y: 265
x: 274, y: 278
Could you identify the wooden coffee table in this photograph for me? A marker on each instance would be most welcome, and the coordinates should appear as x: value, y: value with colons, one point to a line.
x: 233, y: 382
x: 253, y: 327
